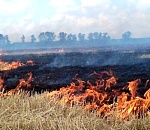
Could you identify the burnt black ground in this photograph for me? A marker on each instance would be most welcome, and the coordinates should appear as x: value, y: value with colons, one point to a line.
x: 52, y: 71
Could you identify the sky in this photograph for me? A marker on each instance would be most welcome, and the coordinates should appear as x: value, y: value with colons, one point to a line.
x: 27, y: 17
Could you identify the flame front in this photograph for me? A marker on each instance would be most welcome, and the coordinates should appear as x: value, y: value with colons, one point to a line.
x: 103, y: 96
x: 23, y: 84
x: 13, y: 65
x: 100, y: 97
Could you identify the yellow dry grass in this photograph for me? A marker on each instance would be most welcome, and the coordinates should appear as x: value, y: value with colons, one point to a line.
x: 37, y: 112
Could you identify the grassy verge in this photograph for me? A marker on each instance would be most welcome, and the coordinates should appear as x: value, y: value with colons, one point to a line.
x: 21, y: 112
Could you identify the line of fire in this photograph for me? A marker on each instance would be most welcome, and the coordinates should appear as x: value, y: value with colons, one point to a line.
x: 124, y: 89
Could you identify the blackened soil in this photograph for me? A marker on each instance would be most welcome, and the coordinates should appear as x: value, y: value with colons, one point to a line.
x: 50, y: 77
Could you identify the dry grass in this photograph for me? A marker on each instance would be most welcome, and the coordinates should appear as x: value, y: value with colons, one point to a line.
x: 21, y: 112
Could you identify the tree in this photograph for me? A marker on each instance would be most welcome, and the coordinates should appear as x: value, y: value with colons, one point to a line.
x: 71, y: 38
x: 2, y: 38
x: 90, y: 37
x: 126, y: 35
x: 33, y: 39
x: 49, y: 36
x: 105, y: 37
x: 95, y: 35
x: 74, y: 38
x: 23, y: 38
x: 46, y: 36
x: 42, y: 37
x: 81, y: 37
x: 7, y: 39
x: 62, y: 36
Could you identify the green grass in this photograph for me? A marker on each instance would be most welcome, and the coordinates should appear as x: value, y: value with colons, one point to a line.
x: 37, y: 112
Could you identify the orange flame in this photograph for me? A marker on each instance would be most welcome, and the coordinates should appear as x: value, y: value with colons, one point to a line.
x: 97, y: 97
x: 9, y: 66
x: 30, y: 62
x: 133, y: 85
x: 101, y: 97
x: 1, y: 83
x: 23, y: 84
x: 14, y: 65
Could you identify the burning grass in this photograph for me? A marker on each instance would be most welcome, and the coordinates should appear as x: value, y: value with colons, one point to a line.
x: 104, y: 98
x: 38, y: 112
x: 13, y: 65
x: 100, y: 103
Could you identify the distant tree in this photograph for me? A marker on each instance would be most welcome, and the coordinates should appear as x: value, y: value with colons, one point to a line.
x: 62, y: 36
x: 105, y: 37
x: 126, y: 35
x: 7, y: 39
x: 42, y: 37
x: 2, y: 38
x: 100, y: 36
x: 90, y: 37
x: 23, y: 38
x: 71, y: 38
x: 81, y: 37
x: 95, y: 35
x: 33, y: 39
x: 46, y: 36
x: 49, y: 36
x: 74, y: 37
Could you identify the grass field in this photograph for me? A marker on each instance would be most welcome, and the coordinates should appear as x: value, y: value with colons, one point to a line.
x: 37, y: 112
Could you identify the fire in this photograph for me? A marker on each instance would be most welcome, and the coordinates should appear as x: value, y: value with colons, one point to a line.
x: 23, y: 84
x: 1, y: 84
x: 101, y: 96
x: 133, y: 85
x: 138, y: 107
x: 30, y: 62
x: 147, y: 94
x: 14, y: 64
x: 9, y: 66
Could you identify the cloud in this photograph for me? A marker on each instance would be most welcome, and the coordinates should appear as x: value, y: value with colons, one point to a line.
x: 114, y: 17
x: 143, y: 4
x: 14, y: 6
x: 95, y: 3
x: 63, y: 6
x: 64, y: 3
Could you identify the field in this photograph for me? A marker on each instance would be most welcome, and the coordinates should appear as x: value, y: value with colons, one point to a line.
x: 59, y: 90
x: 21, y: 112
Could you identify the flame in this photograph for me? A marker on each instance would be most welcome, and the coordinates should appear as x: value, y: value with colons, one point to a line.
x: 147, y: 94
x: 9, y: 66
x: 30, y: 62
x: 101, y: 96
x: 133, y: 85
x: 137, y: 107
x: 23, y: 84
x: 98, y: 97
x: 1, y: 84
x: 14, y: 64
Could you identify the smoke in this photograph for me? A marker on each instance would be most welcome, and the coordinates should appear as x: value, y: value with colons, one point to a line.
x: 99, y: 58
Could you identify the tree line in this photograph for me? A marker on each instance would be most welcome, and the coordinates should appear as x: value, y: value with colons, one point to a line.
x: 48, y: 37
